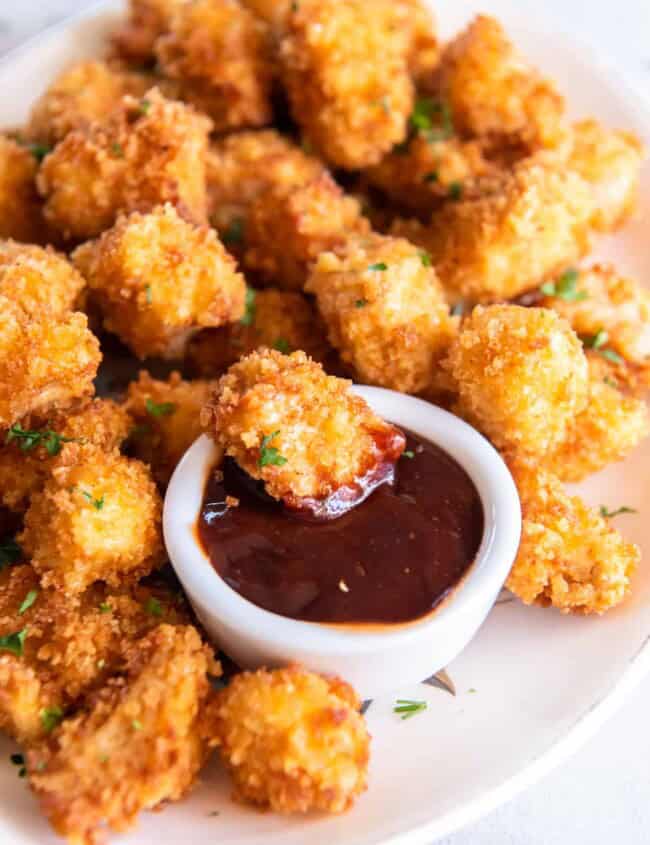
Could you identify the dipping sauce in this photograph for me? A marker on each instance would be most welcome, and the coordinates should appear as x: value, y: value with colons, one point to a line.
x: 391, y: 559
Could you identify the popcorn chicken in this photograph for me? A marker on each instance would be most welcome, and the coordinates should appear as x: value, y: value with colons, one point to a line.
x: 147, y: 20
x: 292, y: 740
x: 345, y: 70
x: 38, y: 279
x: 21, y: 214
x: 157, y: 279
x: 384, y: 309
x: 272, y: 12
x: 96, y: 519
x: 420, y: 27
x: 300, y: 431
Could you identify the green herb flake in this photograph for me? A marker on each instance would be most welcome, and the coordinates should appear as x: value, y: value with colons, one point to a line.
x: 98, y: 504
x: 144, y: 107
x: 249, y: 314
x: 10, y: 552
x: 609, y: 514
x: 425, y: 258
x: 458, y: 309
x: 148, y: 294
x: 14, y: 642
x: 159, y: 409
x: 118, y: 150
x: 406, y: 708
x: 234, y: 234
x: 611, y: 382
x: 28, y: 601
x: 269, y: 455
x: 598, y: 342
x: 611, y: 355
x: 433, y: 119
x: 455, y: 190
x: 39, y: 151
x: 153, y: 607
x: 136, y: 724
x: 408, y: 454
x: 29, y: 439
x: 282, y: 345
x: 361, y: 303
x: 378, y: 267
x: 105, y: 607
x: 566, y: 287
x: 51, y: 717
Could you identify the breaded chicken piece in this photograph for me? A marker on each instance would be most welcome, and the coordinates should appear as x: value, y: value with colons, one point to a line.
x: 157, y: 279
x: 287, y: 231
x: 45, y: 363
x: 60, y: 648
x: 521, y: 374
x: 424, y: 47
x: 38, y: 279
x: 385, y: 311
x: 147, y: 20
x: 82, y: 94
x: 297, y: 429
x: 345, y: 69
x: 569, y: 557
x: 97, y: 518
x: 292, y: 740
x: 148, y: 152
x: 29, y: 447
x: 136, y: 744
x: 493, y: 90
x: 220, y: 52
x: 279, y: 319
x: 21, y: 215
x: 526, y: 225
x: 274, y: 13
x: 167, y: 419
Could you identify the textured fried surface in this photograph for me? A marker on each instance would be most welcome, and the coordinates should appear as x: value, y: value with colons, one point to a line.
x: 569, y: 556
x: 157, y: 279
x: 385, y: 311
x: 522, y: 376
x: 327, y: 436
x: 147, y: 19
x: 20, y: 205
x: 38, y: 278
x: 345, y: 70
x: 292, y: 740
x: 424, y: 47
x: 96, y: 519
x: 147, y: 152
x: 136, y: 743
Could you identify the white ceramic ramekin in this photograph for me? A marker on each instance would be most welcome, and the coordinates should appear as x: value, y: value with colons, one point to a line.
x: 374, y: 661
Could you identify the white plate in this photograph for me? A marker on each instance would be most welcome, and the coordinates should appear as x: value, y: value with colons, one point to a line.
x: 543, y: 682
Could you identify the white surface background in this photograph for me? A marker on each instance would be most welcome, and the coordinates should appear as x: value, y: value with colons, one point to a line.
x: 603, y: 794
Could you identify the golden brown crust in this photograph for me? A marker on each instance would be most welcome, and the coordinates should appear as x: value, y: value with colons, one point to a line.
x: 134, y: 40
x: 21, y: 214
x: 420, y: 28
x: 38, y: 278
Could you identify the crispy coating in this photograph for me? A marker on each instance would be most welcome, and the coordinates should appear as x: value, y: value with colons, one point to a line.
x: 522, y: 376
x: 569, y: 556
x: 157, y: 279
x: 424, y: 47
x: 45, y: 363
x: 148, y: 152
x: 292, y: 740
x: 384, y: 309
x: 287, y: 231
x: 97, y: 518
x: 167, y: 419
x: 297, y: 429
x: 282, y: 320
x: 70, y: 646
x: 221, y: 53
x: 492, y: 89
x: 21, y: 214
x: 273, y: 12
x: 38, y: 279
x: 24, y: 467
x: 136, y: 744
x: 82, y: 94
x: 528, y: 224
x: 147, y: 20
x: 345, y: 70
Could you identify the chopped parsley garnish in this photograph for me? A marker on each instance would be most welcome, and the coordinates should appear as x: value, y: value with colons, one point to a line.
x: 408, y: 454
x: 39, y: 151
x: 153, y: 607
x: 19, y: 760
x: 147, y: 294
x: 28, y: 439
x: 118, y: 150
x: 566, y: 287
x: 433, y: 119
x: 406, y: 708
x: 425, y: 258
x: 10, y: 552
x: 145, y: 105
x: 431, y: 177
x: 598, y: 342
x: 159, y: 409
x: 361, y: 303
x: 249, y: 314
x: 234, y: 234
x: 105, y: 607
x: 282, y: 345
x: 455, y: 190
x: 28, y: 601
x: 51, y: 717
x: 611, y: 382
x: 136, y: 724
x: 608, y: 514
x: 98, y: 504
x: 379, y: 266
x: 269, y: 455
x: 14, y: 642
x: 458, y: 309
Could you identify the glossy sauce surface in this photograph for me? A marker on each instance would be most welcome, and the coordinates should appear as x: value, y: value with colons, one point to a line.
x: 391, y: 559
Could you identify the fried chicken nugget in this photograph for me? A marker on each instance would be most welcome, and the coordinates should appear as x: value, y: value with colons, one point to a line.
x: 297, y: 429
x: 420, y: 26
x: 21, y: 214
x: 45, y: 363
x: 273, y: 12
x: 96, y: 519
x: 147, y: 20
x: 345, y: 69
x: 569, y: 557
x: 38, y: 279
x: 158, y: 279
x: 58, y: 649
x: 146, y: 153
x: 492, y: 89
x: 286, y: 231
x: 521, y: 374
x: 136, y: 744
x: 292, y: 740
x: 384, y: 309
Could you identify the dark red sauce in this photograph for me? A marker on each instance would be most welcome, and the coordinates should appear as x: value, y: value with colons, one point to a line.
x: 391, y: 559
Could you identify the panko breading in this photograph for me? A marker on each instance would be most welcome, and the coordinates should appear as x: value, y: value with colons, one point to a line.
x: 38, y: 279
x: 30, y: 447
x: 521, y: 374
x: 147, y: 20
x: 21, y: 215
x: 273, y: 12
x: 158, y: 279
x: 147, y: 152
x: 292, y: 740
x: 82, y: 94
x: 569, y: 556
x: 424, y: 47
x: 45, y: 363
x: 286, y: 231
x: 279, y: 319
x: 384, y: 309
x: 136, y: 744
x: 297, y: 429
x: 492, y: 90
x: 221, y: 54
x: 69, y: 646
x: 345, y: 70
x: 97, y: 518
x: 167, y: 419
